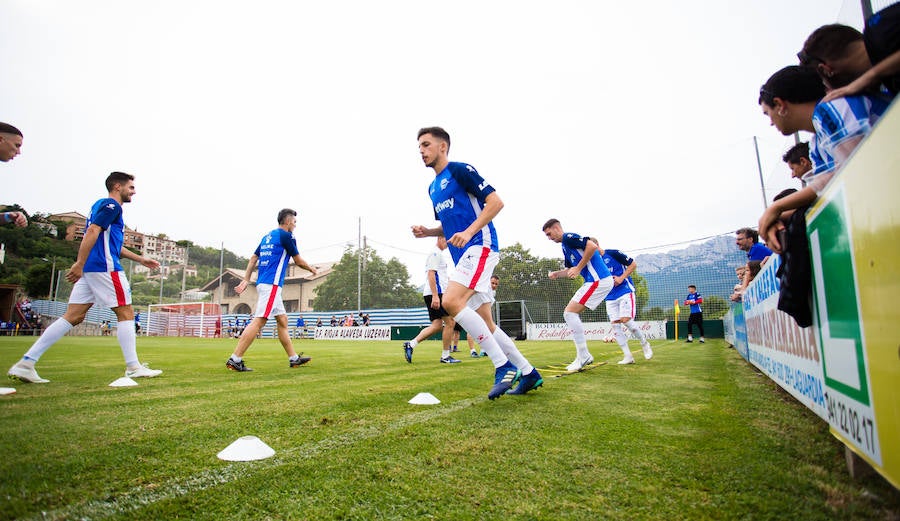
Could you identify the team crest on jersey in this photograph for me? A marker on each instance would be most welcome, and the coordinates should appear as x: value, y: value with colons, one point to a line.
x: 444, y: 183
x: 572, y: 259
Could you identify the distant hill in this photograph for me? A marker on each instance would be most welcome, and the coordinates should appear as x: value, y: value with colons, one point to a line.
x: 709, y: 266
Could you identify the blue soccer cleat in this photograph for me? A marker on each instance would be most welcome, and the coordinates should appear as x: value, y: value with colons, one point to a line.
x: 505, y: 377
x: 407, y: 351
x: 528, y: 382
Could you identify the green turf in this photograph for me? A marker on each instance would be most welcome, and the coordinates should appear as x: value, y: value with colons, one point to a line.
x: 695, y: 433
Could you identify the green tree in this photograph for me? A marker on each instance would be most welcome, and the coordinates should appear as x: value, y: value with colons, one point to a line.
x: 714, y: 307
x: 384, y: 284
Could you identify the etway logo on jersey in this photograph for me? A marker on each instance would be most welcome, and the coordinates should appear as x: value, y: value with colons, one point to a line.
x: 443, y: 205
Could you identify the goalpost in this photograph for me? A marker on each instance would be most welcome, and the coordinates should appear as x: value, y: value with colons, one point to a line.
x: 194, y: 319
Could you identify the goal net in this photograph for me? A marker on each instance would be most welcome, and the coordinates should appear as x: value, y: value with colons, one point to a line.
x: 195, y: 319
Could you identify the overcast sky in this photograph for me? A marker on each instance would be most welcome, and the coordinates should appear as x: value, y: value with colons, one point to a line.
x: 630, y: 121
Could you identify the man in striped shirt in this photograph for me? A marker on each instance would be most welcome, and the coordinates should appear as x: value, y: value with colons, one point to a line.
x: 98, y: 278
x: 273, y: 254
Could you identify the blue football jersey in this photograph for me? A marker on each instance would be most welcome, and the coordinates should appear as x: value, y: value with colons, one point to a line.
x: 104, y: 256
x: 573, y: 251
x: 458, y: 194
x: 616, y: 262
x: 275, y: 251
x: 840, y: 119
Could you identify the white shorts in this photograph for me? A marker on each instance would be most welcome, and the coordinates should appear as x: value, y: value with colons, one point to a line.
x: 591, y: 294
x: 108, y: 289
x: 269, y: 303
x: 622, y: 307
x: 474, y: 271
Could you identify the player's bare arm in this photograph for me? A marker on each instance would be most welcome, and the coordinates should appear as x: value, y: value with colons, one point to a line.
x: 627, y: 273
x: 558, y: 274
x: 298, y: 260
x: 492, y: 206
x: 589, y: 250
x: 421, y: 232
x: 87, y: 243
x: 144, y: 261
x: 251, y: 265
x: 432, y: 283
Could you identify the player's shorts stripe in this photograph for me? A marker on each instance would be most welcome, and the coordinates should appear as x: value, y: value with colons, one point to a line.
x: 631, y: 298
x: 117, y: 286
x: 480, y: 269
x: 271, y: 301
x: 588, y: 293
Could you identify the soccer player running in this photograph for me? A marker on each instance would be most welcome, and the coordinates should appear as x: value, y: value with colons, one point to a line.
x: 433, y: 293
x: 465, y: 204
x: 582, y: 257
x: 98, y: 278
x: 276, y: 249
x: 620, y: 302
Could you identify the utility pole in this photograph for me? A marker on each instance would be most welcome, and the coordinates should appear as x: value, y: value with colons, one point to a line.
x: 762, y: 184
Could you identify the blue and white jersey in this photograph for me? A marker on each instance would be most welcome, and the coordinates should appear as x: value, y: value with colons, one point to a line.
x: 275, y: 251
x: 839, y: 120
x: 616, y: 262
x: 458, y: 194
x: 437, y: 263
x: 104, y: 256
x: 573, y: 251
x: 698, y: 299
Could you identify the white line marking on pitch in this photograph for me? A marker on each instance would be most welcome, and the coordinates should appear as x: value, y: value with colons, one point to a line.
x: 140, y: 497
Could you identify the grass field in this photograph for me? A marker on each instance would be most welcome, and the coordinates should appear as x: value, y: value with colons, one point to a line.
x: 695, y: 433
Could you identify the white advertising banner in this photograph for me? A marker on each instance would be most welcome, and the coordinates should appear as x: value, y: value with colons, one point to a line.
x: 654, y: 330
x: 353, y: 333
x: 788, y: 354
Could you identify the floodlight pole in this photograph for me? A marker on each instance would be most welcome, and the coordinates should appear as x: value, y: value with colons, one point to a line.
x: 359, y: 266
x: 762, y: 185
x: 221, y: 272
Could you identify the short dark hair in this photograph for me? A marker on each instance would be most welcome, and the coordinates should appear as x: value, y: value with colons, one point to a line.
x: 828, y: 43
x: 784, y: 193
x: 6, y: 128
x: 749, y: 232
x: 691, y: 286
x: 115, y: 178
x: 282, y: 215
x: 495, y: 277
x: 437, y: 132
x: 794, y: 83
x: 550, y: 223
x: 796, y: 153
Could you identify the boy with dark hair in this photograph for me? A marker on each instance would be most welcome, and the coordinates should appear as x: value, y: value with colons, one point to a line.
x: 797, y: 159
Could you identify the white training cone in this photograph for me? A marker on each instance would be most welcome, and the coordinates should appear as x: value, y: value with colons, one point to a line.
x: 7, y: 390
x: 424, y: 399
x: 246, y: 448
x: 123, y: 382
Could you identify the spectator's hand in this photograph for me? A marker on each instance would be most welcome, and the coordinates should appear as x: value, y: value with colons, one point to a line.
x: 17, y: 218
x: 768, y: 228
x: 241, y: 287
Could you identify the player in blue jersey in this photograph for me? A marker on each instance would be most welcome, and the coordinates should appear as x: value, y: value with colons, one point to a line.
x: 98, y: 279
x: 273, y: 254
x: 791, y: 99
x: 436, y: 281
x: 581, y: 257
x: 620, y: 302
x: 465, y: 204
x: 693, y: 300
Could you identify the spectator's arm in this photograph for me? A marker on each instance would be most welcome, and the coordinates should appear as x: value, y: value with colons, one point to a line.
x: 767, y: 229
x: 869, y: 79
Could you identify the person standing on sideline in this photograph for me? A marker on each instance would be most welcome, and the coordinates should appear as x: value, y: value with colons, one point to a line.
x: 620, y: 302
x: 694, y: 299
x: 276, y: 249
x: 465, y: 205
x: 300, y: 330
x: 10, y: 147
x: 582, y: 257
x: 435, y: 285
x: 98, y: 278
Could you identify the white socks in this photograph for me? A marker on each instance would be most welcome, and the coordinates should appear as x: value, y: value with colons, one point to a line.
x: 53, y: 333
x: 512, y: 352
x: 573, y: 320
x: 478, y: 330
x: 128, y: 342
x: 619, y: 331
x: 636, y: 331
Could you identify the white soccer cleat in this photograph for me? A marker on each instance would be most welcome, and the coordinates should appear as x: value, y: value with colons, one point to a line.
x: 142, y: 372
x: 578, y: 364
x: 626, y: 361
x: 25, y: 373
x: 648, y: 352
